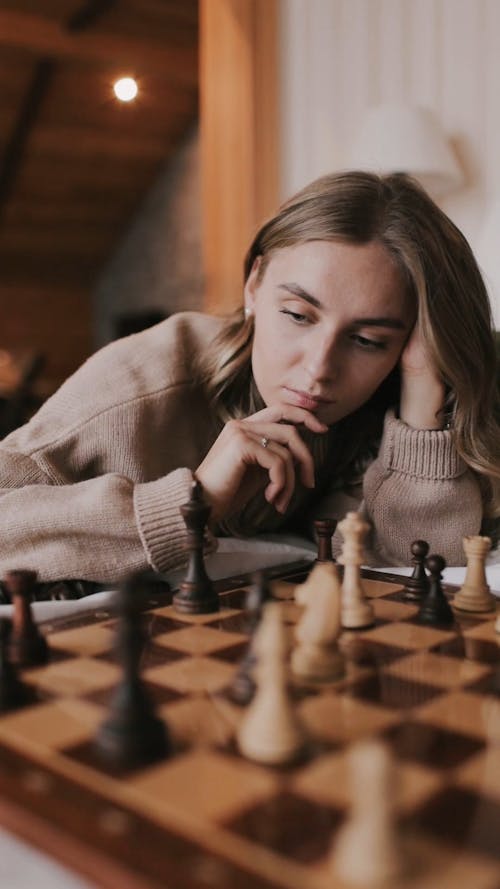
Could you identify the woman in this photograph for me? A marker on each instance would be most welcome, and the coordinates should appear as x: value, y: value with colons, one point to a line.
x: 364, y: 356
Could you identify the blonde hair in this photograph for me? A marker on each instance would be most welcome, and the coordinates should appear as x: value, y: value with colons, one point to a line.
x: 440, y: 272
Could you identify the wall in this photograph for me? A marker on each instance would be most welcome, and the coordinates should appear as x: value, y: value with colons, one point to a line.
x: 338, y: 57
x: 53, y: 321
x: 158, y: 263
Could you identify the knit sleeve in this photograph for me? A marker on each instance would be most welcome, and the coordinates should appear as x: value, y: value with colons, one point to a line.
x: 98, y: 529
x: 91, y: 486
x: 420, y: 488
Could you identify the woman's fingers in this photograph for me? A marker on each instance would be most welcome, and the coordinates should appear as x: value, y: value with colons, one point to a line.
x: 279, y: 463
x: 268, y: 439
x: 269, y: 454
x: 289, y: 437
x: 287, y: 413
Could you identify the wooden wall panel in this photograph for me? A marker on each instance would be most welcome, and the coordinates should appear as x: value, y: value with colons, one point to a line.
x: 55, y: 322
x: 239, y: 134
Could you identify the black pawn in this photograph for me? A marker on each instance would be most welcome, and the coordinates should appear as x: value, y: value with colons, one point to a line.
x: 417, y: 585
x: 196, y: 593
x: 325, y: 529
x: 132, y: 735
x: 27, y: 646
x: 242, y: 688
x: 435, y: 609
x: 13, y: 693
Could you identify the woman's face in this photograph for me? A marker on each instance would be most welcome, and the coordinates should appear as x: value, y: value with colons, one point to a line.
x: 331, y: 320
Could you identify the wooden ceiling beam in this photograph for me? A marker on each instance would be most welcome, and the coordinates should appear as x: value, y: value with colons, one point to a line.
x: 16, y: 145
x: 48, y: 38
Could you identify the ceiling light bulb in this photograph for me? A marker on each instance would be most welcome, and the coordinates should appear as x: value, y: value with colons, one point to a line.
x: 125, y: 89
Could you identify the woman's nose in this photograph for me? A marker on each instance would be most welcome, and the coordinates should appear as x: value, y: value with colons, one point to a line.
x: 321, y: 361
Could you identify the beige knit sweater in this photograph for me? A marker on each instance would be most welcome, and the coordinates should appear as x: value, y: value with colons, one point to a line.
x: 91, y: 486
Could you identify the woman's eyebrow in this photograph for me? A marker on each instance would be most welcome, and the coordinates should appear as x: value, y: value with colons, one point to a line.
x: 382, y: 321
x: 297, y: 290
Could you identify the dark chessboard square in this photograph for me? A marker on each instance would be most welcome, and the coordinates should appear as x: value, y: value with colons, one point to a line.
x: 489, y: 684
x: 369, y: 653
x: 232, y: 654
x: 58, y: 655
x: 466, y: 647
x: 156, y: 624
x: 159, y: 694
x: 86, y: 752
x: 234, y: 623
x: 32, y: 695
x: 153, y: 656
x: 290, y: 825
x: 391, y: 691
x: 400, y: 596
x: 379, y: 622
x: 461, y: 817
x: 432, y: 746
x: 233, y: 598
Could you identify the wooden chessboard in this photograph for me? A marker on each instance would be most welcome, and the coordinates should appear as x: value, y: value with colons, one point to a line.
x: 208, y: 818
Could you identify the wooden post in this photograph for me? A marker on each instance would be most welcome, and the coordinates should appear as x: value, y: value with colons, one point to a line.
x: 239, y: 136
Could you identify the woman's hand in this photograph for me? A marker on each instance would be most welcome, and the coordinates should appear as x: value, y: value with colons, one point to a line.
x: 262, y: 451
x: 422, y: 389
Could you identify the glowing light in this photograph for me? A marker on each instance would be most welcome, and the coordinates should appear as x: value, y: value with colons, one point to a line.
x: 125, y: 89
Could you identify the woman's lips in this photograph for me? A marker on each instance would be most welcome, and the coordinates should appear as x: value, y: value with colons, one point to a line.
x: 308, y: 402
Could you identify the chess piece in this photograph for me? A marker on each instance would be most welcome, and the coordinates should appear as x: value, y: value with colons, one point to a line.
x: 270, y: 732
x: 196, y: 593
x: 13, y: 692
x: 242, y: 688
x: 417, y: 585
x: 304, y: 590
x: 131, y: 735
x: 367, y: 851
x: 356, y: 611
x: 325, y: 529
x: 475, y: 593
x: 435, y: 608
x: 316, y: 656
x: 27, y: 646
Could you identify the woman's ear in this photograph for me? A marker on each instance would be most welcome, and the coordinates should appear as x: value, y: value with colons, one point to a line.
x: 251, y: 285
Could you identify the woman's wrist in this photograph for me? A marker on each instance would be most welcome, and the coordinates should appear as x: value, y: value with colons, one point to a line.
x: 422, y: 403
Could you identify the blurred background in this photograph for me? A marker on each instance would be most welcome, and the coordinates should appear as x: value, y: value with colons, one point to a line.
x: 118, y: 211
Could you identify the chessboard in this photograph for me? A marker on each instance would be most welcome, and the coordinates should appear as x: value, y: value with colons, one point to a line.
x: 207, y: 818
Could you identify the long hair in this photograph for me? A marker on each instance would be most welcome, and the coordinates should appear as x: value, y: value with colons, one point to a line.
x: 440, y: 272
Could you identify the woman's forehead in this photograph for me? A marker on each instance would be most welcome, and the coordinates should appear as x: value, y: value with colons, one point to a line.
x: 358, y: 275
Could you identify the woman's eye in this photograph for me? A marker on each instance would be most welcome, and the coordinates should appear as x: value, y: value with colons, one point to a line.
x: 295, y: 316
x: 366, y: 343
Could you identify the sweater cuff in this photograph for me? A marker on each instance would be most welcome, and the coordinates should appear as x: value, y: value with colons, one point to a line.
x: 161, y: 526
x: 423, y: 453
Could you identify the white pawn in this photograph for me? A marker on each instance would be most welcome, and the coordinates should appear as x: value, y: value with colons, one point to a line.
x: 356, y: 612
x: 475, y: 594
x: 270, y: 731
x: 317, y: 656
x: 367, y: 850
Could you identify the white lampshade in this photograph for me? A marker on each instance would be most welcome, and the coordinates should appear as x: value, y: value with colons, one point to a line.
x: 406, y: 139
x: 488, y: 256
